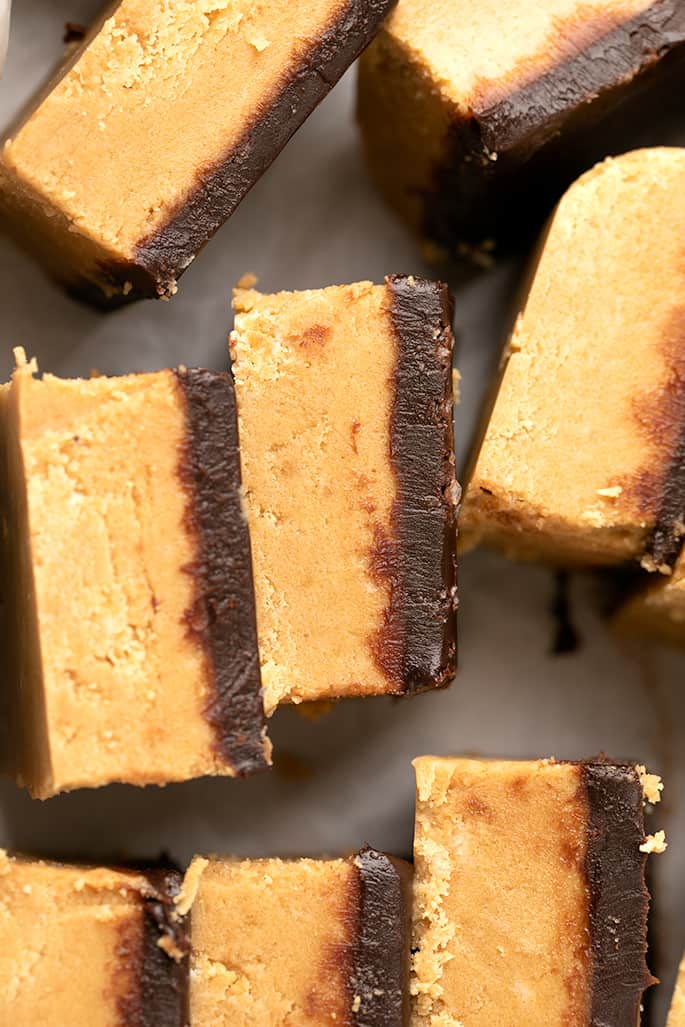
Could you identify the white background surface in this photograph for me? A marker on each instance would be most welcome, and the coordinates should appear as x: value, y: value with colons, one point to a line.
x: 314, y: 220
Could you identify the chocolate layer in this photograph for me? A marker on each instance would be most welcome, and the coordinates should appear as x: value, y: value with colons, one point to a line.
x: 619, y: 900
x: 417, y: 647
x: 157, y: 974
x: 162, y: 257
x: 164, y: 976
x: 666, y: 540
x: 507, y: 164
x: 379, y: 977
x: 223, y: 616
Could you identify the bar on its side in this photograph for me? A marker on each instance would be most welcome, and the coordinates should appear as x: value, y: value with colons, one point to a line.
x: 476, y: 117
x: 312, y: 942
x: 580, y: 459
x: 345, y: 413
x: 131, y: 633
x: 530, y: 905
x: 155, y: 130
x: 90, y: 946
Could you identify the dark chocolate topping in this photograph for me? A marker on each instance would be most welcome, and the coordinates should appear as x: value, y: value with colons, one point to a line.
x: 223, y: 617
x: 506, y: 165
x: 619, y: 900
x: 417, y: 646
x: 164, y: 256
x: 155, y: 977
x: 164, y: 979
x: 379, y: 977
x: 666, y: 540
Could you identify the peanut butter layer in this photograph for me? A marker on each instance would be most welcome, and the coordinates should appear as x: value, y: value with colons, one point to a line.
x: 581, y: 449
x: 475, y: 117
x: 306, y: 942
x: 89, y: 947
x: 676, y: 1016
x: 134, y: 639
x: 149, y: 138
x: 529, y: 903
x: 344, y: 405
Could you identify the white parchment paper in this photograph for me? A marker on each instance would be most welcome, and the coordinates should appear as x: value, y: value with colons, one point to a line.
x: 314, y: 220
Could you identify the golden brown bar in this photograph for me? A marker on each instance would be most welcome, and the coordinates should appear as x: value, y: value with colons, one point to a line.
x: 131, y: 637
x: 476, y: 116
x: 150, y: 136
x: 530, y: 906
x: 90, y: 947
x: 307, y: 942
x: 580, y: 460
x: 345, y: 412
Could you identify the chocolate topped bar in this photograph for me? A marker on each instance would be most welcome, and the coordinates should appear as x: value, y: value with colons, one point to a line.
x: 530, y: 901
x: 345, y: 413
x: 91, y: 947
x: 475, y: 117
x: 159, y: 125
x: 132, y: 633
x: 312, y: 942
x: 580, y: 458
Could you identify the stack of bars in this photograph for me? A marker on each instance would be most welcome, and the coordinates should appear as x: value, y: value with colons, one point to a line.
x: 198, y: 592
x: 526, y: 904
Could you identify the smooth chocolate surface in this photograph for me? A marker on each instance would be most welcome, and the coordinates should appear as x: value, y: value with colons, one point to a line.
x: 162, y: 257
x: 379, y: 979
x: 164, y: 978
x: 418, y: 646
x: 223, y: 615
x: 547, y: 131
x: 619, y: 900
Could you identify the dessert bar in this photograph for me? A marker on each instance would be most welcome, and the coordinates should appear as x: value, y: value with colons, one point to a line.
x: 475, y: 117
x: 307, y: 942
x: 90, y: 947
x: 153, y: 132
x: 345, y: 412
x: 581, y: 453
x: 131, y: 637
x: 530, y: 905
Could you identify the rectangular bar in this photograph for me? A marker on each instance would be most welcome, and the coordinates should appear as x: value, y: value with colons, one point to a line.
x: 307, y: 942
x: 132, y: 624
x: 581, y: 455
x: 476, y: 117
x: 94, y: 946
x: 530, y: 907
x: 345, y: 413
x: 152, y: 134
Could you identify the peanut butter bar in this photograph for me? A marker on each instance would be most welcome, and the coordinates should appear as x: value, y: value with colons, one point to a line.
x: 530, y: 906
x: 476, y: 116
x: 155, y: 130
x: 307, y: 942
x: 90, y: 947
x: 345, y: 412
x: 132, y: 640
x: 581, y: 459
